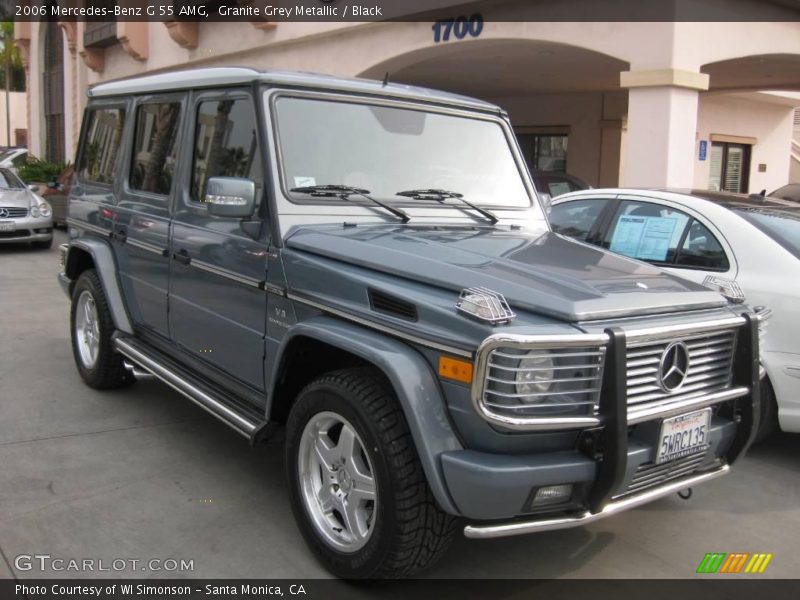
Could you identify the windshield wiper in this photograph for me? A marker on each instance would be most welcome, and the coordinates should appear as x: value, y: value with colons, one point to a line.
x: 442, y: 195
x: 344, y: 192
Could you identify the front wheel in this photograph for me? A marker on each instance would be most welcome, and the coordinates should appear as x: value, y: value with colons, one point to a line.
x: 357, y: 487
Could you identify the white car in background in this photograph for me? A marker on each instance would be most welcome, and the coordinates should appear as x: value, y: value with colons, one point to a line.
x: 13, y: 158
x: 732, y: 243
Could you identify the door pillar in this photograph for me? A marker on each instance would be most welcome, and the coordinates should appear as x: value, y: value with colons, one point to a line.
x: 662, y: 125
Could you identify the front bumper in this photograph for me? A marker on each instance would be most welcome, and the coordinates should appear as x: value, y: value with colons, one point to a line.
x: 586, y: 517
x: 616, y: 470
x: 28, y: 229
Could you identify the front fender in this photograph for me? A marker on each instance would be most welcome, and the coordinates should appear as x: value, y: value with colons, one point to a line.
x: 105, y: 265
x: 413, y: 381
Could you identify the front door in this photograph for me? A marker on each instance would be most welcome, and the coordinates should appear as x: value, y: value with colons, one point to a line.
x: 217, y: 299
x: 141, y: 230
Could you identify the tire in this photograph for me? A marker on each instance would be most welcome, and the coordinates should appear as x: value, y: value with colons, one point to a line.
x: 769, y: 412
x: 98, y: 364
x: 406, y: 531
x: 43, y: 245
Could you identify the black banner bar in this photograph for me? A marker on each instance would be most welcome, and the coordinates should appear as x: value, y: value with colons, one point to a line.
x: 276, y: 11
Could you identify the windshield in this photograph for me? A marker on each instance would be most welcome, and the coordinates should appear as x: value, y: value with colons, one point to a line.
x: 387, y: 150
x: 9, y: 181
x: 783, y: 226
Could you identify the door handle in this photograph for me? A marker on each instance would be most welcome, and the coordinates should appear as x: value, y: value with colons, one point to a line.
x: 182, y: 256
x: 121, y: 235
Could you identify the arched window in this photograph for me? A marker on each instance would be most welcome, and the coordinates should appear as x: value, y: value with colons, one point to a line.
x: 53, y: 96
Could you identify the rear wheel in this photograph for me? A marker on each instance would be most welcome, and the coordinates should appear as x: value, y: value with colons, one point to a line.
x: 91, y: 327
x: 357, y: 487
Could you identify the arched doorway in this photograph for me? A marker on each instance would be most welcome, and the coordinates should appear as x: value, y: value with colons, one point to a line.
x: 53, y: 88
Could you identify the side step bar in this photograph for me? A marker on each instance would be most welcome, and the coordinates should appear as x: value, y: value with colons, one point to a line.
x: 197, y: 393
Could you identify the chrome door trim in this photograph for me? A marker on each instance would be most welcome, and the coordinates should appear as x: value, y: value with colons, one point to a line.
x: 147, y: 247
x: 88, y: 226
x: 227, y: 274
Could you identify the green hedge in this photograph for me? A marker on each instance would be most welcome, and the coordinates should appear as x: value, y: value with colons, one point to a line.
x: 37, y: 170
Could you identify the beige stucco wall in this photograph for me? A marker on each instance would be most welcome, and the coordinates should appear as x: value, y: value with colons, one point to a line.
x: 770, y: 124
x: 16, y: 102
x: 590, y: 119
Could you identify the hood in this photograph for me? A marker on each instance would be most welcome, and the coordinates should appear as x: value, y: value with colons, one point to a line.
x: 18, y: 198
x: 541, y: 272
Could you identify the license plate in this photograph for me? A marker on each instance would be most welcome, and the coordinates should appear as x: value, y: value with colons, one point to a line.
x: 8, y: 226
x: 683, y: 435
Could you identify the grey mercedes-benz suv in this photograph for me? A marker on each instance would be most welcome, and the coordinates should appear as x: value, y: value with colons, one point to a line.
x: 366, y: 266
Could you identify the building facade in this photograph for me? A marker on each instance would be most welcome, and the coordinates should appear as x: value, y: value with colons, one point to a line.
x: 676, y: 104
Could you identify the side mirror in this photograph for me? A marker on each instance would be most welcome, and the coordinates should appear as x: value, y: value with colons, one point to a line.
x: 33, y: 188
x: 231, y: 197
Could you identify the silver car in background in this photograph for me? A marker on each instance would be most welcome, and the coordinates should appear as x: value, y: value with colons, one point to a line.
x: 24, y: 216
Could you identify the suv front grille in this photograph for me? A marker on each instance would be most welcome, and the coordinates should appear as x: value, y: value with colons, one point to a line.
x: 650, y: 475
x: 15, y: 212
x: 710, y: 368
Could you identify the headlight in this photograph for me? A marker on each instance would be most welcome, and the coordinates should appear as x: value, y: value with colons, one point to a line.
x: 35, y: 211
x: 535, y: 375
x: 45, y: 210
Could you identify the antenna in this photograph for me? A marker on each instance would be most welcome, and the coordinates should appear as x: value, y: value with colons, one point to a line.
x: 386, y: 79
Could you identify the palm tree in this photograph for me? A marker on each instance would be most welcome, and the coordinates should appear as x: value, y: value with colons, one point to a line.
x: 9, y: 57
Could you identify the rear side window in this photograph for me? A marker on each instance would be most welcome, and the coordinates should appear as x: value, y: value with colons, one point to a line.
x: 576, y: 218
x: 101, y: 144
x: 701, y: 250
x: 225, y: 144
x: 155, y: 147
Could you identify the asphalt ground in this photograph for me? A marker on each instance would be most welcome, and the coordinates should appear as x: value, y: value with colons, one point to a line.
x: 143, y: 474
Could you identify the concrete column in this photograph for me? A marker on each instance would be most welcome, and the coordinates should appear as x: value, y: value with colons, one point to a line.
x: 662, y: 126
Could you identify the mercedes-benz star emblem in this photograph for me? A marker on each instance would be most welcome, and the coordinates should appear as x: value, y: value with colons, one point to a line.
x: 4, y: 213
x: 674, y: 367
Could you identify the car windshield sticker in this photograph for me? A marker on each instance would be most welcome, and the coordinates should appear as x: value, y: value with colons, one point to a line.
x: 304, y: 181
x: 646, y: 238
x: 558, y: 187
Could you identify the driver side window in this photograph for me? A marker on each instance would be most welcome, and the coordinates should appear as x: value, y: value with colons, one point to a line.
x: 225, y: 145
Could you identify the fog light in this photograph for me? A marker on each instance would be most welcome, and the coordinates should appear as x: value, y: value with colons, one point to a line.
x: 552, y: 494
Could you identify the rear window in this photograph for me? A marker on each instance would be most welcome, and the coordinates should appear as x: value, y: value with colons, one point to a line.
x: 101, y: 145
x: 782, y: 226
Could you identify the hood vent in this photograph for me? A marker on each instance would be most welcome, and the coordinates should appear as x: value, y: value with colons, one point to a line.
x: 392, y: 305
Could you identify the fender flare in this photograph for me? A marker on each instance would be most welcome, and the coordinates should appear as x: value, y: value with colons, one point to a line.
x: 106, y: 267
x: 413, y: 381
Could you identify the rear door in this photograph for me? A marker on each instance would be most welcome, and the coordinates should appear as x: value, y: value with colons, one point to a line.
x: 141, y: 230
x: 219, y: 265
x: 675, y: 238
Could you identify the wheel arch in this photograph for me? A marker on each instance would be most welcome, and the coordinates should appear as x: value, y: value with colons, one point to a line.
x: 408, y: 373
x: 88, y: 253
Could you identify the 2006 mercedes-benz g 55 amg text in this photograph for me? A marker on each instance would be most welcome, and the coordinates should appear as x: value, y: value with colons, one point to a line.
x: 367, y: 265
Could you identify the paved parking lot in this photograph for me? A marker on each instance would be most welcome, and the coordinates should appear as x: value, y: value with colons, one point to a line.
x: 143, y: 474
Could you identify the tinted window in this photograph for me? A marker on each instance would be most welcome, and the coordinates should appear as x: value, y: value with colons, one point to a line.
x: 225, y: 144
x: 783, y: 226
x: 788, y: 192
x: 9, y: 181
x: 155, y: 147
x: 646, y: 231
x: 702, y: 250
x: 19, y: 160
x: 103, y: 134
x: 577, y: 218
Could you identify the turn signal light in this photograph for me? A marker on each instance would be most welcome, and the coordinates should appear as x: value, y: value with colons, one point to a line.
x: 457, y: 370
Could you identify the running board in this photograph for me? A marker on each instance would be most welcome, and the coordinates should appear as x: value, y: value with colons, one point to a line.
x: 200, y: 394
